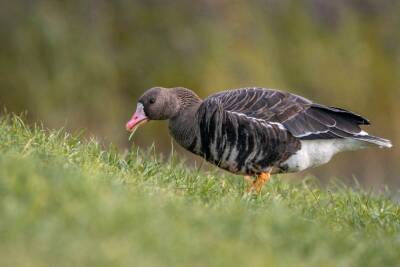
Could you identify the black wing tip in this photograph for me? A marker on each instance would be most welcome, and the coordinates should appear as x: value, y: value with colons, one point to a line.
x: 360, y: 120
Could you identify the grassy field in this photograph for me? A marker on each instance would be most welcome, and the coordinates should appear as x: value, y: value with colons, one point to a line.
x: 65, y: 201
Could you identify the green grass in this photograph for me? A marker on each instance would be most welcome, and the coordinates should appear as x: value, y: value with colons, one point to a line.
x: 65, y: 201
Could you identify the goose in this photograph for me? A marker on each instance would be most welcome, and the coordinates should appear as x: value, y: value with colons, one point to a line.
x: 255, y: 132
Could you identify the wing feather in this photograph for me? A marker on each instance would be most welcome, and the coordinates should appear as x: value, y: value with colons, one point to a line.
x: 300, y: 116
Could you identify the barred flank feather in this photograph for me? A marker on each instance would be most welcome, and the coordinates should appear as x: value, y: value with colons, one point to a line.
x: 241, y: 144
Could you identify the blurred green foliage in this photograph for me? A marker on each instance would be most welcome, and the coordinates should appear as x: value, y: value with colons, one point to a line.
x: 67, y: 202
x: 82, y: 64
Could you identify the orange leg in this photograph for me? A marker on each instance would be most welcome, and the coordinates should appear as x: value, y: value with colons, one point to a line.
x: 258, y: 183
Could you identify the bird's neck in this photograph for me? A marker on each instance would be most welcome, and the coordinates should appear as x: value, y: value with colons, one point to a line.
x: 187, y: 99
x: 183, y: 127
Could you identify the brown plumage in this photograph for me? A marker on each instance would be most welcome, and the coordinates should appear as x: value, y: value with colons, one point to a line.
x: 255, y: 131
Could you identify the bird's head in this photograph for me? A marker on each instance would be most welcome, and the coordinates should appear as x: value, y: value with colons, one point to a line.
x: 160, y: 103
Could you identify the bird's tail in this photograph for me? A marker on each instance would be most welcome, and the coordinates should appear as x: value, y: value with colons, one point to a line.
x: 374, y: 140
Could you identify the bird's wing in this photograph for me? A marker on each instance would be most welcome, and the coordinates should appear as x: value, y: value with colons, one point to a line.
x: 300, y: 116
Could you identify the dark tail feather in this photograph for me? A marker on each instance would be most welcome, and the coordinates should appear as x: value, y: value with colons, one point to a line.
x: 381, y: 142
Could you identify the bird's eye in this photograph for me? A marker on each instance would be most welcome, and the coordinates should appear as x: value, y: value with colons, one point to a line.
x: 152, y: 101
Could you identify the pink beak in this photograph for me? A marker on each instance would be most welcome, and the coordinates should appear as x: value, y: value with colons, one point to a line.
x: 137, y: 119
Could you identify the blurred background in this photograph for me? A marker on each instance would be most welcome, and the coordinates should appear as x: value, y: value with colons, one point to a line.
x: 83, y: 64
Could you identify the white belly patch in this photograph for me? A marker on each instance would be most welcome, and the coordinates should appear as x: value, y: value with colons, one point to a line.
x: 317, y: 152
